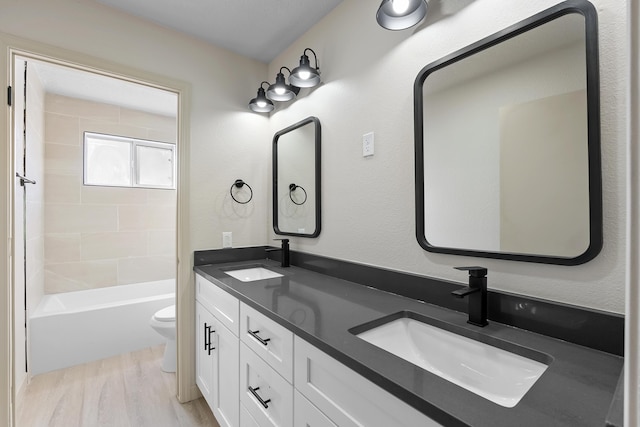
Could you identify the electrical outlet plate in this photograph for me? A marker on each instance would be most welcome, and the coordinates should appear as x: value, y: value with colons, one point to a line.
x: 227, y: 239
x: 367, y: 144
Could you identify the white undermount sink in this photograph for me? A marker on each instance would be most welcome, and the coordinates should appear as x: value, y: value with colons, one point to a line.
x: 493, y: 373
x: 253, y: 274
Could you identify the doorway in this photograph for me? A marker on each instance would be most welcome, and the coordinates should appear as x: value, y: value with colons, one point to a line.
x: 50, y: 197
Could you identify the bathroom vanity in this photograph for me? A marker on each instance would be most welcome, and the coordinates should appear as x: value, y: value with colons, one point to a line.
x: 284, y: 351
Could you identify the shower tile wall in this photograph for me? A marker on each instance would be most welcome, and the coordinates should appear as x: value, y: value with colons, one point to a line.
x: 102, y: 236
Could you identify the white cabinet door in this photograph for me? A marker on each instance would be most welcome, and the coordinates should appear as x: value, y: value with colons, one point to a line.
x: 346, y: 397
x: 264, y: 393
x: 205, y: 324
x: 218, y: 367
x: 307, y: 415
x: 226, y: 381
x: 246, y: 420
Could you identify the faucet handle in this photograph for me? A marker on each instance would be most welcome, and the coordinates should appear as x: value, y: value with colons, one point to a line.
x: 474, y: 271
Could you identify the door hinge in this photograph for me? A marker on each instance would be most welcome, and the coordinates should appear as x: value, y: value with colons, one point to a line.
x: 9, y: 97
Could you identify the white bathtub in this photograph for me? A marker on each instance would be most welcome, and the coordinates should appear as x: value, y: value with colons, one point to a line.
x: 77, y: 327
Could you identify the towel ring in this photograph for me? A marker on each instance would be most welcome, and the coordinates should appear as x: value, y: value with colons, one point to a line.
x: 239, y: 184
x: 292, y: 188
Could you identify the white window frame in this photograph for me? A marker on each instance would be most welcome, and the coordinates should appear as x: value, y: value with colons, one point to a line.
x: 133, y: 167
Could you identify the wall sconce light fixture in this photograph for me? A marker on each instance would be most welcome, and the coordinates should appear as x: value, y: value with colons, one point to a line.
x: 302, y: 76
x: 280, y: 90
x: 401, y: 14
x: 260, y: 104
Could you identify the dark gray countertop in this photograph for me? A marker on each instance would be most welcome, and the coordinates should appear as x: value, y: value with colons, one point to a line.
x: 576, y: 389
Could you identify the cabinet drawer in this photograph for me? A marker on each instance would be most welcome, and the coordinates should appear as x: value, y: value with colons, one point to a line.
x: 269, y: 340
x: 307, y: 415
x: 271, y: 402
x: 346, y: 397
x: 224, y: 306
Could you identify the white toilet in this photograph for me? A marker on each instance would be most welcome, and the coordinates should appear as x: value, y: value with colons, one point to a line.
x: 164, y: 323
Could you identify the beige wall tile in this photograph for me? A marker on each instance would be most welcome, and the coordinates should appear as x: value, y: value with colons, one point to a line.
x: 61, y: 129
x: 60, y: 218
x: 81, y: 108
x: 161, y: 242
x: 115, y: 128
x: 113, y: 245
x: 147, y: 120
x: 64, y: 247
x: 146, y: 218
x: 62, y: 188
x: 161, y: 197
x: 146, y: 269
x: 163, y: 135
x: 76, y: 276
x: 63, y: 159
x: 82, y: 222
x: 113, y: 195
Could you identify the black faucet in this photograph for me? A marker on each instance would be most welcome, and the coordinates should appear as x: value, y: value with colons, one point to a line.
x: 477, y: 293
x: 284, y: 258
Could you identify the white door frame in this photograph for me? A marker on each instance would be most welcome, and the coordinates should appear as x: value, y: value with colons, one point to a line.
x: 11, y: 47
x: 632, y: 325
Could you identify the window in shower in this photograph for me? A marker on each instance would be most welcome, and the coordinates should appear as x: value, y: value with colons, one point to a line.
x: 117, y: 161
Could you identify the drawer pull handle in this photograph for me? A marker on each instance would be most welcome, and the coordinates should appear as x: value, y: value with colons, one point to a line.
x: 254, y: 334
x: 207, y: 338
x: 254, y: 391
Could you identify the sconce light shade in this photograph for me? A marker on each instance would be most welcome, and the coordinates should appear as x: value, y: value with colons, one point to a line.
x: 401, y: 14
x: 260, y: 104
x: 280, y: 90
x: 305, y: 75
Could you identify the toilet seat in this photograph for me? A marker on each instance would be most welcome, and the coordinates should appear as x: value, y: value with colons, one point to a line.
x: 167, y: 314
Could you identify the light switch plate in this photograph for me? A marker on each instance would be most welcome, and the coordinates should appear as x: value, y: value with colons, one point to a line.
x: 227, y: 239
x: 367, y: 144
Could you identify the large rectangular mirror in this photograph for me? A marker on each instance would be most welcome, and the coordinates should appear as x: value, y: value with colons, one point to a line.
x: 507, y: 135
x: 296, y: 179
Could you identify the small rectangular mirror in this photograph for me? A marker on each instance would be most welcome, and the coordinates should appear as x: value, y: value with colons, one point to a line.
x: 507, y: 135
x: 296, y: 179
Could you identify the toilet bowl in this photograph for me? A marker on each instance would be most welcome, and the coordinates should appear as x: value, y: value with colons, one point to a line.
x: 164, y: 323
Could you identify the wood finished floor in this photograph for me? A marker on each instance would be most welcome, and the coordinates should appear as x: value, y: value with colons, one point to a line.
x: 121, y: 391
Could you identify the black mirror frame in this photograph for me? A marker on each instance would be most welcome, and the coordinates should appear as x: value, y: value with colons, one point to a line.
x: 587, y: 10
x: 318, y: 135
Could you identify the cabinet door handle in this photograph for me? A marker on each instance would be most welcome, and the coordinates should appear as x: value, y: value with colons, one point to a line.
x: 254, y: 334
x: 207, y: 338
x: 254, y: 391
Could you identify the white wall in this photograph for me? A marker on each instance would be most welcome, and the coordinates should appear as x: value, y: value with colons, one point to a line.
x: 227, y: 141
x: 368, y: 76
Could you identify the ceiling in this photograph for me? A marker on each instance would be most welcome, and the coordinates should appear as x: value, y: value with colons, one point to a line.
x: 258, y: 29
